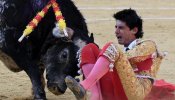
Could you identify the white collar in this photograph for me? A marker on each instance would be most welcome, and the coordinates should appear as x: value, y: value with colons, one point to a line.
x: 131, y: 45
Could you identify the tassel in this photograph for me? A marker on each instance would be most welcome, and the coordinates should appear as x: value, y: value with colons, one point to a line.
x: 60, y: 19
x: 30, y: 27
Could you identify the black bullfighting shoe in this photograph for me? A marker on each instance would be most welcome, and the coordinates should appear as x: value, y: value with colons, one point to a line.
x: 76, y: 88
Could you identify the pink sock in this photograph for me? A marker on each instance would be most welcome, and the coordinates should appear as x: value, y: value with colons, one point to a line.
x: 100, y: 68
x: 95, y: 89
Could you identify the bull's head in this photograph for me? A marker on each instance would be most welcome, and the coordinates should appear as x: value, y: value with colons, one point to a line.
x: 61, y: 61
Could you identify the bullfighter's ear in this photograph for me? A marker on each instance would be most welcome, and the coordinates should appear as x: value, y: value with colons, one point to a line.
x: 92, y: 37
x: 57, y: 32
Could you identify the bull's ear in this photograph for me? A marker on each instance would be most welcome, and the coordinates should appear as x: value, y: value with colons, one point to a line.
x: 57, y: 32
x: 92, y: 37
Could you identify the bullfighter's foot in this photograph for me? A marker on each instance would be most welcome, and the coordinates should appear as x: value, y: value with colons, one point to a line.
x: 76, y: 88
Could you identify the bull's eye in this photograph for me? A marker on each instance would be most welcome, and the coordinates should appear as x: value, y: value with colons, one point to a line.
x: 64, y: 55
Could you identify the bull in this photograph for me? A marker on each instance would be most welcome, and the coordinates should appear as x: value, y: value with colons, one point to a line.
x: 43, y: 48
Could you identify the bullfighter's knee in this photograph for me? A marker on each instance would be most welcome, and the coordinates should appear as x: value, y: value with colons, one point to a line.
x: 88, y: 54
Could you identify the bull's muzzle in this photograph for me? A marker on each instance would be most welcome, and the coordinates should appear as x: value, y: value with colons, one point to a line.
x: 57, y: 88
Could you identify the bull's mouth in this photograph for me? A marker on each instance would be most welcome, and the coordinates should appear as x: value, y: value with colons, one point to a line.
x: 55, y: 89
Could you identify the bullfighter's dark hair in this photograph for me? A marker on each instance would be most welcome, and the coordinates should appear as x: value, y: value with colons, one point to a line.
x: 132, y: 20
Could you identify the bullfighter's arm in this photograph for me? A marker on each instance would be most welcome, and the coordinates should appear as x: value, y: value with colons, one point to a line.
x: 141, y: 52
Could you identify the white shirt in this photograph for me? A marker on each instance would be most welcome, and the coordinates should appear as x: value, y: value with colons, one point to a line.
x: 131, y: 45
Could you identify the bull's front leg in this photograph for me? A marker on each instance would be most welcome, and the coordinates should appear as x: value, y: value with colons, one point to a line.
x: 33, y: 72
x: 41, y: 70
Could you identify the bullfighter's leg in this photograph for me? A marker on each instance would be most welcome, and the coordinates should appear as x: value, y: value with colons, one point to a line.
x: 95, y: 90
x: 79, y: 90
x: 32, y: 71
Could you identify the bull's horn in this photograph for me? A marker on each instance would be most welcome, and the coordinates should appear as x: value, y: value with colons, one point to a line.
x: 57, y: 32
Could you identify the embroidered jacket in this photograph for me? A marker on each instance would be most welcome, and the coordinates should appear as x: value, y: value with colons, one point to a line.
x: 136, y: 68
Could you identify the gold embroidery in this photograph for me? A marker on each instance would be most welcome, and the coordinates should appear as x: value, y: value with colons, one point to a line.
x: 135, y: 88
x: 155, y: 67
x: 111, y: 53
x: 145, y: 49
x: 142, y: 51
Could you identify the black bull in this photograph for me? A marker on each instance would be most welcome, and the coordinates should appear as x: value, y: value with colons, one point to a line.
x: 41, y: 49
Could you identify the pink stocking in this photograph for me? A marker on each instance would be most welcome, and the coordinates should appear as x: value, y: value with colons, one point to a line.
x: 100, y: 68
x: 95, y: 89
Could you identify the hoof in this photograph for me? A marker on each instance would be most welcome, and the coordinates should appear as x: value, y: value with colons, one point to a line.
x: 76, y: 88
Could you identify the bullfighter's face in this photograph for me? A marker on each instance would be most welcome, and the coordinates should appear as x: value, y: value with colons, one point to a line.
x: 60, y: 62
x: 124, y: 34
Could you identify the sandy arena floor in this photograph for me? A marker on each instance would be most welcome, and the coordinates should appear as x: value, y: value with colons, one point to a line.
x: 159, y: 25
